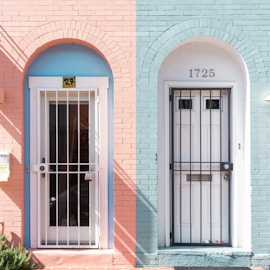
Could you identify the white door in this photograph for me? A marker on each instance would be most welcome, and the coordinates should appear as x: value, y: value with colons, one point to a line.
x: 66, y: 166
x: 200, y: 166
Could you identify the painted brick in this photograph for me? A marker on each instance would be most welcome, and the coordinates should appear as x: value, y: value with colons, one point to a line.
x: 26, y: 29
x: 29, y: 27
x: 238, y: 24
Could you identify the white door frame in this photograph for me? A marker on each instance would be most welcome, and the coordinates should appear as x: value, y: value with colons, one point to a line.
x: 236, y: 141
x: 55, y: 83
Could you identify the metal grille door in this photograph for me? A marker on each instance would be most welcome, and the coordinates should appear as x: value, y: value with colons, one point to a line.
x: 67, y: 173
x: 201, y: 166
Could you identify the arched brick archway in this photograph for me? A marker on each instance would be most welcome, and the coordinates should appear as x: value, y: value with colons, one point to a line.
x: 204, y: 27
x: 55, y: 33
x: 73, y: 31
x: 195, y: 30
x: 23, y: 52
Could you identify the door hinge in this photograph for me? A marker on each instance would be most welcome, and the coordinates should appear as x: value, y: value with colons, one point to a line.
x: 170, y: 166
x: 170, y: 97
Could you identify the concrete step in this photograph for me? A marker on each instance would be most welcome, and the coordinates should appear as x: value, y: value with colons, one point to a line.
x: 135, y: 268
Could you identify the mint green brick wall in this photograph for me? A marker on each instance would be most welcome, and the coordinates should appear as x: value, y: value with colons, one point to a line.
x: 161, y: 27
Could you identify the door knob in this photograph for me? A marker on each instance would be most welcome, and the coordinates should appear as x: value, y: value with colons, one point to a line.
x: 42, y: 168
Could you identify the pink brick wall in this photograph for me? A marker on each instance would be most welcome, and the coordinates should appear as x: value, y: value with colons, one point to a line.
x: 26, y: 29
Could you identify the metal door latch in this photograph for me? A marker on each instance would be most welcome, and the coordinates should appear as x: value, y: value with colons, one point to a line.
x: 226, y: 166
x: 43, y: 167
x: 89, y: 176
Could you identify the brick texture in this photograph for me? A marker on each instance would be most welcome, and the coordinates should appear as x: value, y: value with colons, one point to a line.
x: 161, y: 28
x: 28, y: 28
x: 121, y: 30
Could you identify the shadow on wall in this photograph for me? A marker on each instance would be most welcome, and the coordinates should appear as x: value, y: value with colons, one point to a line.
x: 130, y: 211
x: 10, y: 48
x: 124, y: 216
x: 11, y: 136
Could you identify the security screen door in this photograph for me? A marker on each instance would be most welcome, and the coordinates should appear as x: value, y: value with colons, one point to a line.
x: 201, y: 167
x: 67, y: 178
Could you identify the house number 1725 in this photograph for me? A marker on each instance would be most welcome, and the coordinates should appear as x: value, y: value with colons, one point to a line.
x: 202, y: 73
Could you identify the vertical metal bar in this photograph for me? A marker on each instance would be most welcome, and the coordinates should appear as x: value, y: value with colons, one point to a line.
x: 96, y: 186
x: 78, y: 175
x: 180, y: 171
x: 190, y: 162
x: 39, y: 156
x: 229, y: 158
x: 90, y: 167
x: 97, y: 126
x: 67, y: 167
x: 210, y: 163
x: 47, y: 176
x: 201, y: 166
x: 57, y: 164
x: 172, y: 164
x: 220, y: 158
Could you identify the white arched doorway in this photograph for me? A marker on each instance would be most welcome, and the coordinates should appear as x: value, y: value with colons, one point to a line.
x: 203, y: 150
